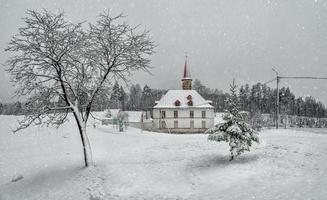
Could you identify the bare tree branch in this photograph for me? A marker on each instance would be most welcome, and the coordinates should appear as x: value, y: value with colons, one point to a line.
x: 62, y: 68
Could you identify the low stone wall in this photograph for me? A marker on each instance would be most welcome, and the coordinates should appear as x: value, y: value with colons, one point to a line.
x: 149, y: 126
x: 182, y: 130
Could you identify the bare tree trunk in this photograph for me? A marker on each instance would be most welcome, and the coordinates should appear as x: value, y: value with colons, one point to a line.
x: 231, y: 158
x: 87, y: 151
x: 86, y: 147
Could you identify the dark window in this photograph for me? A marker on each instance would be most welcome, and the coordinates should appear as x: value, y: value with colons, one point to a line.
x: 203, y: 124
x: 163, y: 124
x: 191, y: 114
x: 163, y: 114
x: 203, y: 114
x: 192, y: 124
x: 175, y: 114
x: 176, y: 124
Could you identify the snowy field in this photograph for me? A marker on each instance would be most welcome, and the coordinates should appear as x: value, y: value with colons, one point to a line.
x: 288, y: 164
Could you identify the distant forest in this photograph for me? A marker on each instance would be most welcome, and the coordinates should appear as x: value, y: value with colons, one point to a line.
x: 258, y: 98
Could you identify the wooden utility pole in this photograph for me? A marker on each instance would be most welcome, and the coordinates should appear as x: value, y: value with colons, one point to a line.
x: 277, y: 98
x: 278, y: 78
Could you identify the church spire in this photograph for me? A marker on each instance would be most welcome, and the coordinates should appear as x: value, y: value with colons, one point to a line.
x: 187, y: 80
x: 186, y: 71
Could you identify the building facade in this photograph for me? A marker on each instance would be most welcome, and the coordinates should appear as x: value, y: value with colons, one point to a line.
x: 183, y: 111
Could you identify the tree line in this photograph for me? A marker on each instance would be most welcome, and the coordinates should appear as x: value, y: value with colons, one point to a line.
x: 135, y: 99
x: 258, y: 98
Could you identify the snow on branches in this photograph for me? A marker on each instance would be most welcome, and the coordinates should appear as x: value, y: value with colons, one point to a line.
x: 234, y: 130
x: 62, y: 67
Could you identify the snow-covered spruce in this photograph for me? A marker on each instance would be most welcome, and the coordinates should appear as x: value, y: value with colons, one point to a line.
x: 234, y: 130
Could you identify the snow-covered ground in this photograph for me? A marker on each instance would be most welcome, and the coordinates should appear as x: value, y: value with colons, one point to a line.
x: 288, y: 164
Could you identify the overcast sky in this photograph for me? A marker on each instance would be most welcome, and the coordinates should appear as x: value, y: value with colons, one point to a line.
x: 224, y: 39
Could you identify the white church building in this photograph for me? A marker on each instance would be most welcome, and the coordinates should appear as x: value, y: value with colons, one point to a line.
x: 183, y: 111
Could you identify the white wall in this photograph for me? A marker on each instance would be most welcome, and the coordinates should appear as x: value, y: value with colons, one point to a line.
x: 184, y: 117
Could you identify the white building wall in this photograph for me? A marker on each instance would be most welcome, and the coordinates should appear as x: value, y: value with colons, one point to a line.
x: 184, y: 117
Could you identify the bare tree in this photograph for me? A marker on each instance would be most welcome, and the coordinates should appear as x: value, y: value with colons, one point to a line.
x: 62, y: 68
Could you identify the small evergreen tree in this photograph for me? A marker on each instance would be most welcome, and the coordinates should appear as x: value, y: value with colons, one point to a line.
x: 135, y: 94
x: 122, y: 97
x: 115, y: 95
x: 146, y: 98
x: 234, y: 130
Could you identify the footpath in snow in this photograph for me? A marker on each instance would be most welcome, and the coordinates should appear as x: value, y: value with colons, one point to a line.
x: 287, y: 164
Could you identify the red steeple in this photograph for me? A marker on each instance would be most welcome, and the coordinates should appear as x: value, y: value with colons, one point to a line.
x: 186, y: 71
x: 186, y: 80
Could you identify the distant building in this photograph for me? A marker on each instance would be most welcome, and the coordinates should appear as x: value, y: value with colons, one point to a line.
x: 183, y: 111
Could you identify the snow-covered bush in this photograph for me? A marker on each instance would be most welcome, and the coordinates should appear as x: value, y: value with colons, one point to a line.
x: 234, y: 130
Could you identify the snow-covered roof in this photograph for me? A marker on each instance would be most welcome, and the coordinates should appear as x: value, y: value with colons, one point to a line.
x: 169, y: 99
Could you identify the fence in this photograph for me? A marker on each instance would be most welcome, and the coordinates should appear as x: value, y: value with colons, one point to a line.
x: 268, y: 120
